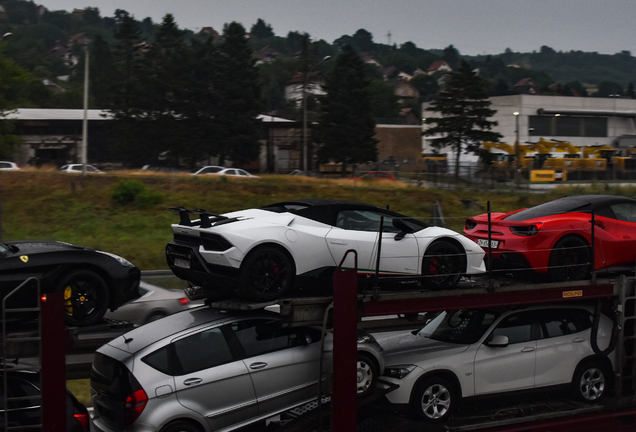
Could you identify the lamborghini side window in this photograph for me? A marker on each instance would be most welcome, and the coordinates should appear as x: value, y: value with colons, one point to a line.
x: 625, y: 211
x: 364, y: 220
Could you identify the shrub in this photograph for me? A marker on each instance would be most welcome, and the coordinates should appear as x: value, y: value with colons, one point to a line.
x: 134, y: 192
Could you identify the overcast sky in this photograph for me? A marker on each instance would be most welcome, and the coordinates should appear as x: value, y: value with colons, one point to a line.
x: 473, y: 27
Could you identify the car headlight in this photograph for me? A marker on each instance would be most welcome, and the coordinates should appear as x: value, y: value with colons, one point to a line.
x: 399, y: 371
x: 120, y: 260
x: 365, y: 338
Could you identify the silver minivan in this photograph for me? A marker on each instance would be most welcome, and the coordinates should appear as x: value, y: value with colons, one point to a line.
x: 205, y: 369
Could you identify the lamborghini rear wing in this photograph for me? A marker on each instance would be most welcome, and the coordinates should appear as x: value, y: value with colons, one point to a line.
x: 206, y: 219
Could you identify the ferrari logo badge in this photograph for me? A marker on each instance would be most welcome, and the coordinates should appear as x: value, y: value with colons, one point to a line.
x: 24, y: 258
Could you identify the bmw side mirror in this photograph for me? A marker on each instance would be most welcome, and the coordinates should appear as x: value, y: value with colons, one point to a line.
x: 499, y: 341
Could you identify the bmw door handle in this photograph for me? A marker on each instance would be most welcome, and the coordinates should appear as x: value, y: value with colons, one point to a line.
x: 528, y: 349
x: 192, y: 381
x: 338, y: 242
x: 258, y: 365
x: 579, y: 339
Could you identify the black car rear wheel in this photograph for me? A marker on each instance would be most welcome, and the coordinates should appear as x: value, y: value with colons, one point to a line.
x: 86, y: 297
x: 570, y: 260
x: 443, y: 265
x: 266, y: 274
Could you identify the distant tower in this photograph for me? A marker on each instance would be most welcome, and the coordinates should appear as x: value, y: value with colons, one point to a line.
x: 388, y: 35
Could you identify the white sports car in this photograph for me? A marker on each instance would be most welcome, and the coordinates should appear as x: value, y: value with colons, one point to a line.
x: 263, y: 253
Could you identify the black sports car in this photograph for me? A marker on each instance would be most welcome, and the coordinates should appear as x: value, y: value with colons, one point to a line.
x: 92, y: 281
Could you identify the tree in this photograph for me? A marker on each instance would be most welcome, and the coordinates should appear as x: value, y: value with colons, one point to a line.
x: 346, y: 125
x: 464, y: 109
x: 239, y: 125
x: 261, y: 30
x: 13, y: 81
x: 451, y: 56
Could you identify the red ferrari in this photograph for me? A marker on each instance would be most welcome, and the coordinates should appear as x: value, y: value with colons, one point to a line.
x: 555, y: 238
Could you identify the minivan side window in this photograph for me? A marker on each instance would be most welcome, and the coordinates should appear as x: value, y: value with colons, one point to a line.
x: 261, y: 336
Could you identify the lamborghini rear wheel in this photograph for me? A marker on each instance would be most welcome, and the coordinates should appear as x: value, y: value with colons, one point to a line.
x: 443, y: 265
x: 266, y: 274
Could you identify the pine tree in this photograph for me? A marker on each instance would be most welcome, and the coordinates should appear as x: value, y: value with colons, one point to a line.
x: 346, y: 126
x: 238, y: 123
x: 464, y: 109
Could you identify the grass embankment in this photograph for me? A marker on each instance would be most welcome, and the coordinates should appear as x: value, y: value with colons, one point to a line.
x: 56, y: 206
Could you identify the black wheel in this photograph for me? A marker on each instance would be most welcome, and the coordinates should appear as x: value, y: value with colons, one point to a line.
x: 86, y: 297
x: 434, y: 399
x: 367, y: 374
x: 181, y: 426
x: 266, y: 274
x: 590, y: 382
x: 569, y: 260
x: 443, y: 265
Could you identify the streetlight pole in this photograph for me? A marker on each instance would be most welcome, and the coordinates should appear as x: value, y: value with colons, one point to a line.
x: 305, y: 83
x: 517, y: 150
x: 85, y: 119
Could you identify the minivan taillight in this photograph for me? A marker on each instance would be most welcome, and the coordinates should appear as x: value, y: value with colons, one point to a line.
x: 135, y: 404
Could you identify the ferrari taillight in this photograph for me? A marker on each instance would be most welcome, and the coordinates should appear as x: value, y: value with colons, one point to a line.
x: 526, y: 230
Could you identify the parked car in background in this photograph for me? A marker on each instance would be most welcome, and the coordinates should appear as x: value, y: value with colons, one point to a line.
x: 155, y: 303
x: 161, y: 169
x: 375, y: 175
x: 235, y: 172
x: 304, y: 173
x: 210, y: 169
x: 8, y: 166
x: 206, y: 369
x: 264, y: 253
x: 92, y: 281
x: 555, y: 238
x: 466, y: 353
x: 20, y: 414
x: 78, y: 168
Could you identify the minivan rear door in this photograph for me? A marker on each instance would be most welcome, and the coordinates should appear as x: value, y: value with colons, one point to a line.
x: 212, y: 382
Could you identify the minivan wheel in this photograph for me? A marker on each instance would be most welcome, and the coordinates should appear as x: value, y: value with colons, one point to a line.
x: 434, y: 399
x: 182, y: 426
x: 590, y: 381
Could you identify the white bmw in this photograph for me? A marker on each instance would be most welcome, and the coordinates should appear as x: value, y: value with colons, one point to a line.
x: 264, y: 253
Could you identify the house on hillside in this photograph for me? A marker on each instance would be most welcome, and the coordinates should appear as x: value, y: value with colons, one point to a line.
x: 62, y: 51
x: 392, y: 75
x: 369, y: 59
x: 406, y: 91
x: 266, y: 54
x: 439, y: 66
x: 526, y: 86
x: 211, y: 32
x: 294, y: 87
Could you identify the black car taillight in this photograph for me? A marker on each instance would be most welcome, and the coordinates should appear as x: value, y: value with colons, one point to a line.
x: 526, y: 230
x: 470, y: 224
x: 135, y: 404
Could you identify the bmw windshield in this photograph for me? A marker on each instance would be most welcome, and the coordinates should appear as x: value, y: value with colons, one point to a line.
x: 461, y: 326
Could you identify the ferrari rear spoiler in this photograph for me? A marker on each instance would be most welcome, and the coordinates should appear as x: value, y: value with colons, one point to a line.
x: 206, y: 219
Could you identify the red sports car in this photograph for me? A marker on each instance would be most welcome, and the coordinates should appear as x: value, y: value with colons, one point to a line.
x: 555, y: 238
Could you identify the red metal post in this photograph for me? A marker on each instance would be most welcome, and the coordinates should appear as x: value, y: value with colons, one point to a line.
x: 53, y: 362
x: 345, y: 335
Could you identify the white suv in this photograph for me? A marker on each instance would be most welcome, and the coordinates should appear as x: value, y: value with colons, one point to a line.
x: 466, y: 353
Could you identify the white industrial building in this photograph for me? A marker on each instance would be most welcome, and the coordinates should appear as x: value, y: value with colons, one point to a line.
x: 582, y: 121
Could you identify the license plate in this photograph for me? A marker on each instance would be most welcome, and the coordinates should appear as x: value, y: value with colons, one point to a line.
x: 484, y: 243
x: 178, y: 262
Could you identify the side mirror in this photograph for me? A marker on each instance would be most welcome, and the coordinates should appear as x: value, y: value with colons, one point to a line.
x: 403, y: 227
x: 499, y: 341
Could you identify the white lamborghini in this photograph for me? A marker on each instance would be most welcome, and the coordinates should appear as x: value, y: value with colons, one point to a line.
x: 264, y: 253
